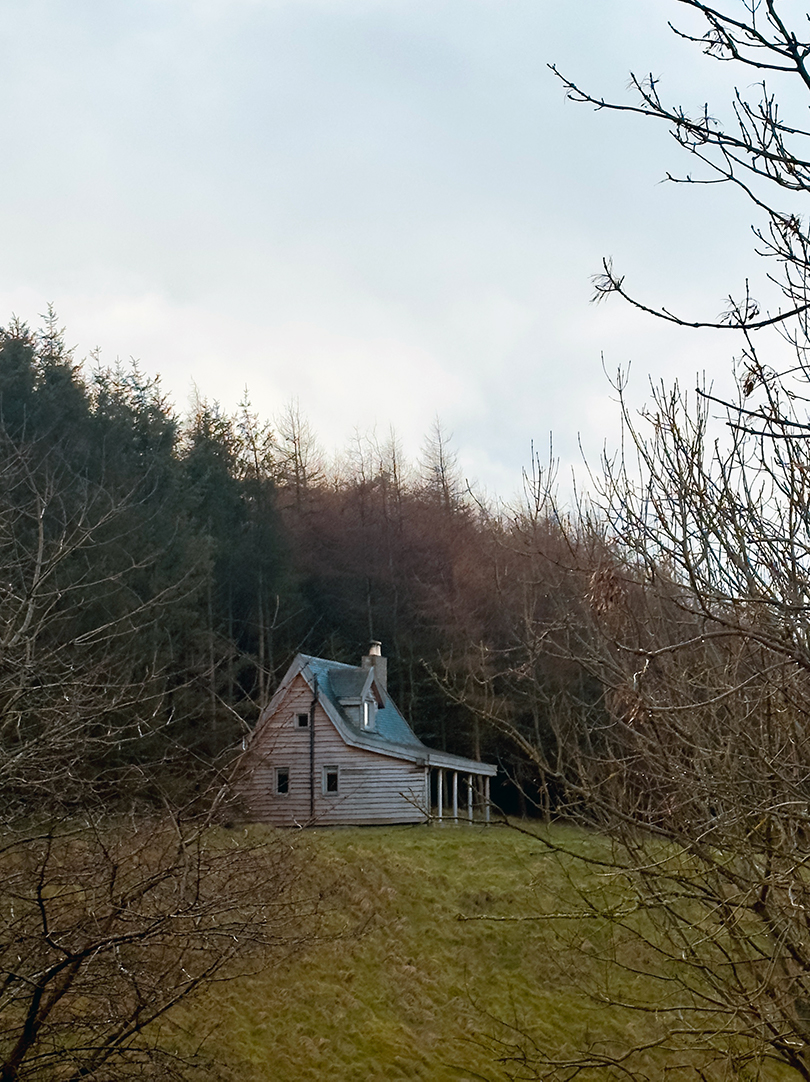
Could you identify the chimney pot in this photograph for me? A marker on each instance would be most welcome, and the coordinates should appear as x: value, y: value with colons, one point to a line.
x: 374, y: 660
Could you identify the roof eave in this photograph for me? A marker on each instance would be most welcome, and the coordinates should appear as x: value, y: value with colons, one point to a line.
x: 414, y: 753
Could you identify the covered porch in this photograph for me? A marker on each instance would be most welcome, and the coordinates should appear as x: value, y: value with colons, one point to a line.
x: 458, y: 792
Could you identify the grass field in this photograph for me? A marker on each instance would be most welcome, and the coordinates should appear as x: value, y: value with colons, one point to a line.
x: 411, y: 987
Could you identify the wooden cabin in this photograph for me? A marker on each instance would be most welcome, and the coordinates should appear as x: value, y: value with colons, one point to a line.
x: 332, y: 748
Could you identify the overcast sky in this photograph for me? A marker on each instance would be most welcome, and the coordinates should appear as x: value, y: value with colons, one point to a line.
x: 384, y: 208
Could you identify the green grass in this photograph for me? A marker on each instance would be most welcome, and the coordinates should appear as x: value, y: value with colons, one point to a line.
x: 407, y: 989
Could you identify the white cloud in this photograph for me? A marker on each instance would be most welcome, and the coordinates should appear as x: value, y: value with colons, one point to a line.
x: 382, y: 207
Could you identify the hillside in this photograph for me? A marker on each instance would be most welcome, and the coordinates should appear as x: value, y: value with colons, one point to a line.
x: 416, y: 986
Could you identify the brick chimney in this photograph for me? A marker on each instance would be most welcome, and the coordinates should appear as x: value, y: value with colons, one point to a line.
x: 374, y: 660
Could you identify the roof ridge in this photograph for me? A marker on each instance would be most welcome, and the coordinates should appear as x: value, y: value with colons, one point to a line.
x: 330, y: 663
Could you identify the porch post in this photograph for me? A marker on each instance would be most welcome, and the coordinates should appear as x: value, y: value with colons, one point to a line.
x: 486, y: 799
x: 439, y: 790
x: 427, y: 792
x: 470, y: 797
x: 455, y: 796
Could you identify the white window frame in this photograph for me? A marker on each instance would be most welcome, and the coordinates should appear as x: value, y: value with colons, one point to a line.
x: 298, y: 723
x: 368, y: 717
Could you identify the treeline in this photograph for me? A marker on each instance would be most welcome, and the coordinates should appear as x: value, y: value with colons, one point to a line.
x: 159, y: 573
x: 640, y: 664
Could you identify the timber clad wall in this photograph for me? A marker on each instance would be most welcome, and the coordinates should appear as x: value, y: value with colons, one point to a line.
x: 371, y: 788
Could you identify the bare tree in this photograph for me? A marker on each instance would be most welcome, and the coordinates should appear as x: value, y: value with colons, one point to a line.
x: 299, y: 465
x: 117, y: 905
x: 78, y: 683
x: 105, y: 927
x: 692, y: 758
x: 694, y: 592
x: 439, y: 467
x: 758, y: 150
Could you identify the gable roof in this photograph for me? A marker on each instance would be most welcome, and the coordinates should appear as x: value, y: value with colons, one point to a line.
x: 332, y: 681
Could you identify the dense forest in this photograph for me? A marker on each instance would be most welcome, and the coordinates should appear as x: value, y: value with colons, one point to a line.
x: 160, y: 572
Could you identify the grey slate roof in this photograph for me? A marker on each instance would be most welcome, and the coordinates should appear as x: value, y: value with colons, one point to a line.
x: 392, y: 735
x: 347, y: 684
x: 339, y: 681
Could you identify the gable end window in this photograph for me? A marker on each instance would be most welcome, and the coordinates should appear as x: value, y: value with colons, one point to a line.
x: 282, y: 780
x: 330, y: 780
x: 302, y: 721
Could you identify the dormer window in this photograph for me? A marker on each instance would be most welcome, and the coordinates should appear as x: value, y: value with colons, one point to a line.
x: 358, y: 696
x: 369, y: 713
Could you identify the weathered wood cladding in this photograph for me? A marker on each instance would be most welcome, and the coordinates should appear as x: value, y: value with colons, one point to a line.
x: 372, y: 788
x: 310, y: 762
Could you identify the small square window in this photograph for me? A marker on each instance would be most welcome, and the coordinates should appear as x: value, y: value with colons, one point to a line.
x: 282, y: 780
x: 302, y: 721
x: 330, y: 779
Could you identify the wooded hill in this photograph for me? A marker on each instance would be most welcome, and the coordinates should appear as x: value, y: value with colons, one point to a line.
x: 641, y: 666
x: 159, y: 573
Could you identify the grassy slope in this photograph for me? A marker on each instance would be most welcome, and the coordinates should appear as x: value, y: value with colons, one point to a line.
x: 419, y: 993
